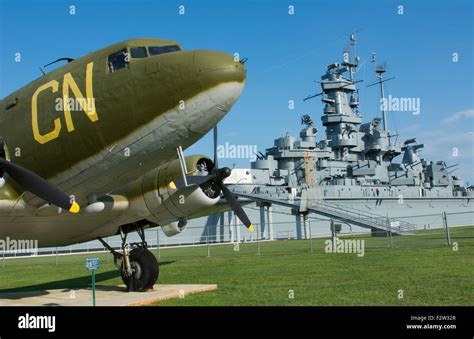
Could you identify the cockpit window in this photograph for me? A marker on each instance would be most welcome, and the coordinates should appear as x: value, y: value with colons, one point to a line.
x: 117, y: 61
x: 155, y: 50
x: 138, y: 52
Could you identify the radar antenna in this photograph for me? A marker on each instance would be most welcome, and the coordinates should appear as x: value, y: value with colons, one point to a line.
x: 307, y: 120
x: 351, y: 65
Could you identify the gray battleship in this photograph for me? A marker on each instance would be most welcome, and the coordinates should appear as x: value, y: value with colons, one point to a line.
x: 351, y: 175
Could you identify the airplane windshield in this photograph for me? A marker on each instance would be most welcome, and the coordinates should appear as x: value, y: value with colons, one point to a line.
x: 138, y: 52
x: 117, y: 61
x: 155, y: 50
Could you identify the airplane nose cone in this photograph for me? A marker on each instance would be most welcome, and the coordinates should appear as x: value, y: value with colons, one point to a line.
x: 221, y: 77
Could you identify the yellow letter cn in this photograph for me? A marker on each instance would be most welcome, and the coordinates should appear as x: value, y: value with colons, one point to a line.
x: 87, y: 105
x: 34, y: 115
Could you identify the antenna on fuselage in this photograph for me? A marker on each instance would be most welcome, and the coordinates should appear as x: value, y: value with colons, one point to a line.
x: 60, y: 59
x: 53, y: 62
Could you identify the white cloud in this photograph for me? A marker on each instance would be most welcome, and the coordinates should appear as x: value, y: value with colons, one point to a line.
x: 455, y: 117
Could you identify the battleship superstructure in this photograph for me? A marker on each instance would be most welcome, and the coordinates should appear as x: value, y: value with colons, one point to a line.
x: 354, y: 159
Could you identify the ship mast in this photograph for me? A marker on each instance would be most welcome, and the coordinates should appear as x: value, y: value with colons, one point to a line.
x: 356, y: 58
x: 379, y: 71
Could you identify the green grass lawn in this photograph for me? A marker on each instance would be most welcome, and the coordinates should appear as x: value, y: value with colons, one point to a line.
x: 428, y: 272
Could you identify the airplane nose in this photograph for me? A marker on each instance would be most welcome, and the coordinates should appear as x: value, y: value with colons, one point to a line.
x: 220, y: 76
x: 211, y: 61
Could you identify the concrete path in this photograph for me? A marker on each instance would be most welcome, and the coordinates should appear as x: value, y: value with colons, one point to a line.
x: 105, y: 296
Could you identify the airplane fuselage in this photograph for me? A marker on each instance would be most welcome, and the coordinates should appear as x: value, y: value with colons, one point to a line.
x: 90, y: 128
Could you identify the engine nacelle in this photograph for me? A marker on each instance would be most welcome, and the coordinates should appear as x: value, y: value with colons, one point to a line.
x: 174, y: 228
x: 153, y: 198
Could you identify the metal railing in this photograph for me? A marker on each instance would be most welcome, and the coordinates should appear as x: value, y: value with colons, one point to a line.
x: 347, y: 214
x: 362, y: 218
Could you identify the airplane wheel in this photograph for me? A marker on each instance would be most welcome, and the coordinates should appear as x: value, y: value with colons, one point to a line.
x: 145, y: 266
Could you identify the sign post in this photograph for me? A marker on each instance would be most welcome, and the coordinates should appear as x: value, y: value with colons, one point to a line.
x: 446, y: 228
x: 92, y: 264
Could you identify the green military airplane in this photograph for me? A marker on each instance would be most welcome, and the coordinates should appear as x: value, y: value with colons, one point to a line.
x: 109, y: 129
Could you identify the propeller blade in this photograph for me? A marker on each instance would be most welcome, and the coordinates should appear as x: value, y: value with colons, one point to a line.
x: 219, y: 173
x: 32, y: 182
x: 235, y: 206
x: 215, y: 147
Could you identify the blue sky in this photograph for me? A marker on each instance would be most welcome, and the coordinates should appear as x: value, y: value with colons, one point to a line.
x: 286, y: 54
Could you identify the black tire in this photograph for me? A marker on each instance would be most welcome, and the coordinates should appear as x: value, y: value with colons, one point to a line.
x: 146, y: 270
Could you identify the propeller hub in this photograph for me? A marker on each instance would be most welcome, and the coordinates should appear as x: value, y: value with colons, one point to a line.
x: 224, y: 172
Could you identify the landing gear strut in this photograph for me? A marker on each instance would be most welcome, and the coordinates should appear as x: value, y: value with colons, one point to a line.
x: 139, y: 268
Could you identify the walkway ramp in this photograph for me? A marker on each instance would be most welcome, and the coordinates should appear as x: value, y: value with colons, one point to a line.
x: 342, y: 213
